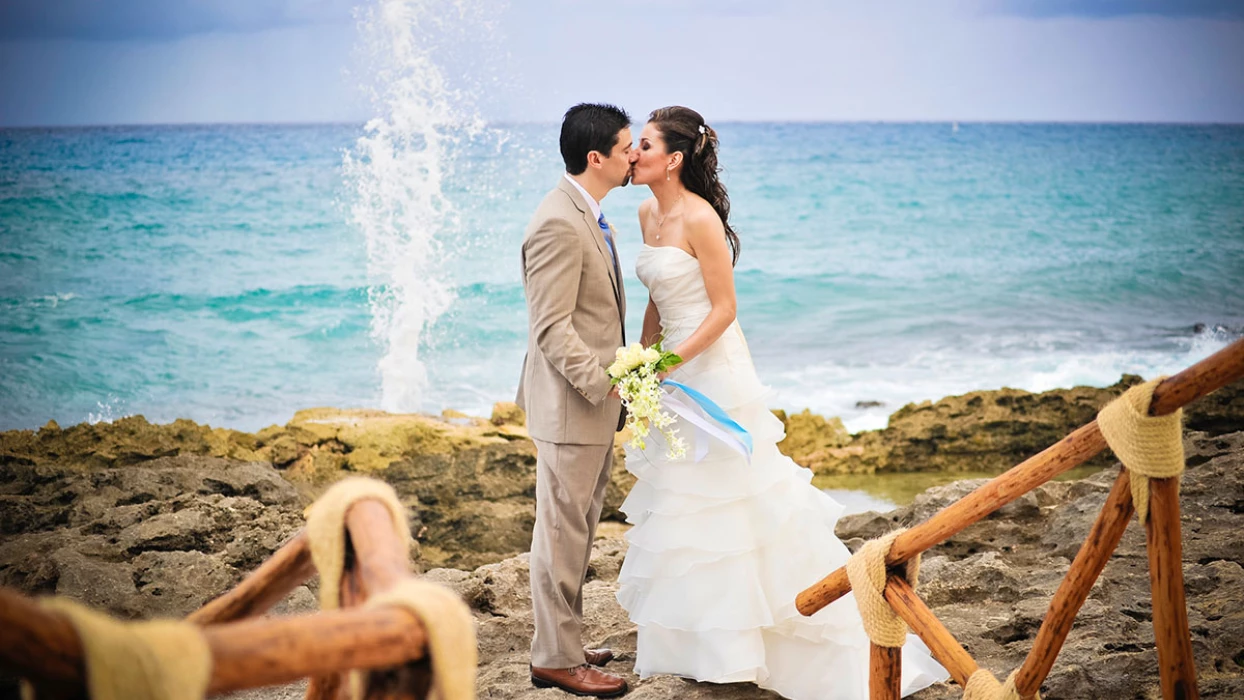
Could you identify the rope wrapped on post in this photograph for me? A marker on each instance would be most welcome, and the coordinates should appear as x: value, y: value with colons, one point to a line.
x: 144, y: 660
x: 1150, y: 447
x: 866, y: 571
x: 326, y: 529
x: 446, y: 618
x: 983, y: 686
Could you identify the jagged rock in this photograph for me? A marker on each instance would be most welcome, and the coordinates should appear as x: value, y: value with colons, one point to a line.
x: 157, y: 539
x: 129, y: 440
x: 469, y: 483
x: 810, y: 438
x: 108, y: 536
x: 508, y: 413
x: 991, y: 583
x: 984, y: 431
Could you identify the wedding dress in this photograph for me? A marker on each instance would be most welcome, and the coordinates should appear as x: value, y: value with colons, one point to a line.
x: 721, y: 544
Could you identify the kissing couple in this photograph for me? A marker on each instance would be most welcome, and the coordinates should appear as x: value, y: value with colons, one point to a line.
x: 722, y: 540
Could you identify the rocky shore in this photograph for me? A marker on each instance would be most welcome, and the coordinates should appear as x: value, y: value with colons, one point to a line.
x: 146, y: 520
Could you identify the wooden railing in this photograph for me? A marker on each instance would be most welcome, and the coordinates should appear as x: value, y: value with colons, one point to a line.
x: 1170, y: 614
x: 248, y: 651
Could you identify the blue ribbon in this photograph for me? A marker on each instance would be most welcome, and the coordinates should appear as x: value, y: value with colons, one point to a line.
x: 717, y: 413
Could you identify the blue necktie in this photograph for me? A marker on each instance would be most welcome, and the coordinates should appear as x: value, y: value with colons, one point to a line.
x: 604, y: 227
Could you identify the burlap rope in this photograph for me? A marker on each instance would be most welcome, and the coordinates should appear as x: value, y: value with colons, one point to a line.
x: 447, y: 620
x: 326, y: 529
x: 451, y: 634
x: 145, y: 660
x: 983, y: 686
x: 866, y: 571
x: 1150, y: 447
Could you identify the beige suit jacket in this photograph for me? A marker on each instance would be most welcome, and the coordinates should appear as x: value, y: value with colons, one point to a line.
x: 575, y: 307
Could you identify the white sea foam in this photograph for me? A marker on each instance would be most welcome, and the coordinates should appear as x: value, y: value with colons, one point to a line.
x: 834, y: 389
x: 398, y: 169
x: 111, y: 410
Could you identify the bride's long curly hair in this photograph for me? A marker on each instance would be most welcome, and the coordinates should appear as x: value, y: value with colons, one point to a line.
x: 684, y: 130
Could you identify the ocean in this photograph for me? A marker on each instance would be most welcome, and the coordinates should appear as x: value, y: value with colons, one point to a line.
x: 233, y: 274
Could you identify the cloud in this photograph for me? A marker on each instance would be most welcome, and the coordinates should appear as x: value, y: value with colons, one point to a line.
x: 1222, y: 9
x: 797, y: 60
x: 161, y: 20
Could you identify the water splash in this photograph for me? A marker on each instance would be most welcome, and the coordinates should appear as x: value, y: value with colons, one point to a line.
x: 109, y: 411
x: 421, y: 88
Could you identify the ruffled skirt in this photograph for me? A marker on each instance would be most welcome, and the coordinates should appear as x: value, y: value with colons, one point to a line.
x: 722, y: 545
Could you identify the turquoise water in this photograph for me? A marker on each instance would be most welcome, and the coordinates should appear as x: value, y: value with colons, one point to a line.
x: 214, y: 272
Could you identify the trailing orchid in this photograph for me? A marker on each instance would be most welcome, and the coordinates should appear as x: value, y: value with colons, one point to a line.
x: 636, y: 372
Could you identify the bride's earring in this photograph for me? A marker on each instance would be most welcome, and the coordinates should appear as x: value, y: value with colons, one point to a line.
x: 667, y: 174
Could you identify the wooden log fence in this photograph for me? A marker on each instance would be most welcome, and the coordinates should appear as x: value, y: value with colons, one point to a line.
x: 248, y: 651
x: 1164, y: 545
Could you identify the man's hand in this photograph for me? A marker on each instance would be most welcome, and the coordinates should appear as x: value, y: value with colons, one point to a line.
x: 613, y: 392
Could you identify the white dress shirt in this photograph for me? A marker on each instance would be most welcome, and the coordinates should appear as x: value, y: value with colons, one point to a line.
x: 595, y: 206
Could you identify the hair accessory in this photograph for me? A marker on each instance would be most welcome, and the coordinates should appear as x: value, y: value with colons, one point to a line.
x: 701, y: 128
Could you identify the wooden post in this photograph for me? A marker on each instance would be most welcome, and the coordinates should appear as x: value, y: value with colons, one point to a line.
x: 287, y: 568
x: 324, y: 687
x: 946, y: 649
x: 1069, y: 452
x: 36, y: 643
x: 43, y: 646
x: 885, y: 672
x: 1100, y: 544
x: 380, y: 560
x: 271, y: 651
x: 1166, y: 580
x: 1214, y: 372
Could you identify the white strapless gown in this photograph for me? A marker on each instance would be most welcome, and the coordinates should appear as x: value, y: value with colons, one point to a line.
x: 720, y: 547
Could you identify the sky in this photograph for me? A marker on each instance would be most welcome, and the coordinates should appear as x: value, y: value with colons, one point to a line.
x: 83, y: 62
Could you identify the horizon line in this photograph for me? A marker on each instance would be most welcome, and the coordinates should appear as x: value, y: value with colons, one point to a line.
x: 733, y: 122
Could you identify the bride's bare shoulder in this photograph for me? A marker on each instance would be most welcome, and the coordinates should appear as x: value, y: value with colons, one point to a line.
x: 702, y: 215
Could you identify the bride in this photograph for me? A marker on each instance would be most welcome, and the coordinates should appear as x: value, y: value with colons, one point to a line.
x: 721, y: 543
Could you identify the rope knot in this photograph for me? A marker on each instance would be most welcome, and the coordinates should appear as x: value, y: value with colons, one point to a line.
x: 866, y: 570
x: 1150, y: 447
x: 983, y: 686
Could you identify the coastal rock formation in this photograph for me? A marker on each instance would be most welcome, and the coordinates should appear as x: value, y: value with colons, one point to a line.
x: 991, y: 585
x: 157, y: 539
x: 469, y: 482
x: 982, y: 431
x: 811, y: 439
x: 138, y: 531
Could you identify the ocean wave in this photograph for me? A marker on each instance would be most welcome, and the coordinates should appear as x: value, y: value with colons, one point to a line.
x: 258, y: 300
x: 864, y: 394
x: 46, y: 301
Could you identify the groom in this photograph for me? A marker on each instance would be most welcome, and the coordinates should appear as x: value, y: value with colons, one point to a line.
x: 576, y: 308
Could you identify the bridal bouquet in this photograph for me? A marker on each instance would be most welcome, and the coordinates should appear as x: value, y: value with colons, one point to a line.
x: 634, y: 371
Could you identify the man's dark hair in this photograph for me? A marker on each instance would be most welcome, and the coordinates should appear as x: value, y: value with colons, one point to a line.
x: 587, y: 128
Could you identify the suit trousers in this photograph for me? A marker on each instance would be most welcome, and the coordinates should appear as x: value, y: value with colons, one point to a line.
x: 570, y: 491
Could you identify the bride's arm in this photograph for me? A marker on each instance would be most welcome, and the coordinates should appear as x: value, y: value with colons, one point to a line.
x: 652, y: 318
x: 708, y: 239
x: 652, y: 325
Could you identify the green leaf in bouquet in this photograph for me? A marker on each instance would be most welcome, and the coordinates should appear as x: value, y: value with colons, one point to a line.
x: 667, y: 361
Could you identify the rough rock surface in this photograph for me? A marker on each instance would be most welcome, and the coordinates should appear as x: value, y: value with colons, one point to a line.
x: 146, y: 520
x: 156, y: 540
x: 469, y: 482
x: 983, y: 431
x: 991, y: 585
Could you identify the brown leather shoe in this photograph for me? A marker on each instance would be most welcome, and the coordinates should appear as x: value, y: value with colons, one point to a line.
x: 598, y: 657
x: 580, y: 680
